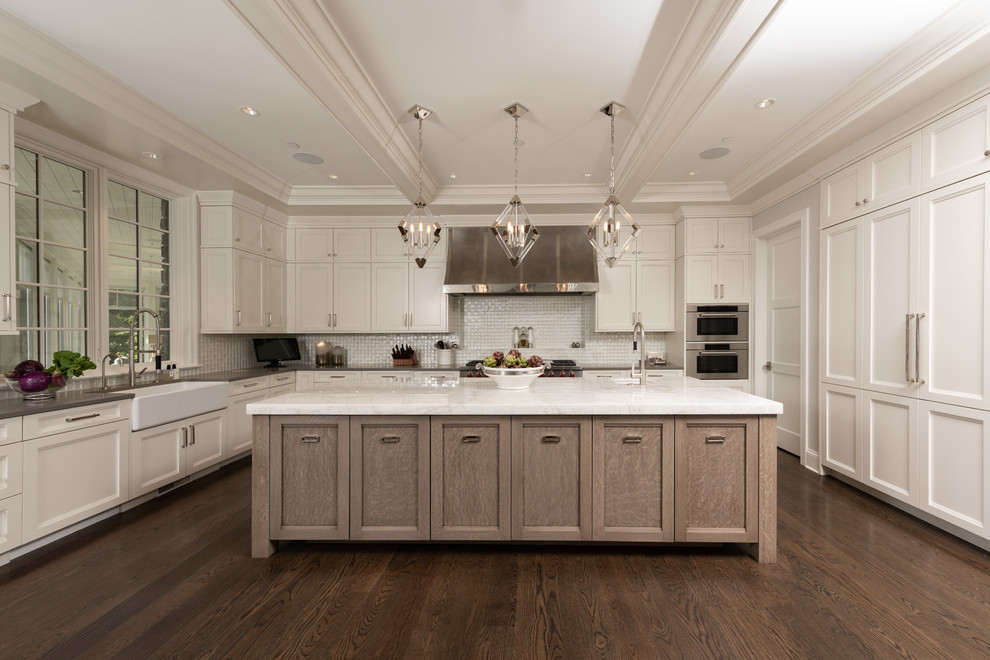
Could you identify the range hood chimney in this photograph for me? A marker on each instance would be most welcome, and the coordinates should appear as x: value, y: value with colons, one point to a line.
x: 562, y: 261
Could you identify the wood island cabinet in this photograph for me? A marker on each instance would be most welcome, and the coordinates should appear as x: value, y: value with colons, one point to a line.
x: 633, y: 478
x: 390, y: 478
x: 716, y: 479
x: 309, y: 460
x: 551, y: 478
x: 470, y: 459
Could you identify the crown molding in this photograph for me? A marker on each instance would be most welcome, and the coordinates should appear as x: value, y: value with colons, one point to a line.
x: 711, y: 41
x: 691, y: 191
x: 22, y: 44
x: 345, y: 195
x: 14, y: 100
x: 940, y: 41
x: 304, y: 38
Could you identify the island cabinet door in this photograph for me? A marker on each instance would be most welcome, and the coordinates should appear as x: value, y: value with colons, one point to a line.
x: 470, y: 463
x: 390, y: 478
x: 309, y: 467
x: 551, y: 478
x: 716, y: 473
x: 633, y: 474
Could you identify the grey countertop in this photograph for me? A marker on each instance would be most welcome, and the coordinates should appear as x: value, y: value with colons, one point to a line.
x: 18, y: 407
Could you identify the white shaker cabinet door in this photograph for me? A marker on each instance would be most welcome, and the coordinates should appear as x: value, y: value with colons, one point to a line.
x: 890, y: 453
x: 843, y: 194
x: 957, y: 145
x: 427, y: 301
x: 313, y: 302
x: 840, y: 432
x: 841, y: 300
x: 390, y: 312
x: 615, y: 302
x: 701, y: 278
x: 955, y: 294
x: 352, y: 297
x: 655, y: 290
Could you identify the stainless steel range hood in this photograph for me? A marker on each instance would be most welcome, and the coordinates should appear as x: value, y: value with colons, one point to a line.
x: 561, y: 261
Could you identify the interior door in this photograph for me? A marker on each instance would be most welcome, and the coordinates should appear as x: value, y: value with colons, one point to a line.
x: 783, y: 323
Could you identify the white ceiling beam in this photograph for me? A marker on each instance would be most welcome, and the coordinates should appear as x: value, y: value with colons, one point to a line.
x: 303, y: 37
x: 713, y: 37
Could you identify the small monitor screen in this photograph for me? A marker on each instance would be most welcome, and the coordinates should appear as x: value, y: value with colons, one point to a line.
x: 274, y: 350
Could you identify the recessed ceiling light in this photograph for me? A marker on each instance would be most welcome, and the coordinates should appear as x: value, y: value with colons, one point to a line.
x: 713, y: 153
x: 332, y: 177
x: 587, y: 174
x: 766, y: 103
x: 151, y: 154
x: 728, y: 140
x: 453, y: 175
x: 250, y: 112
x: 692, y: 172
x: 308, y: 158
x: 292, y: 145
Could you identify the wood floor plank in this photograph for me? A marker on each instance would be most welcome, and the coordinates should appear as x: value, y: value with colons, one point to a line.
x: 174, y: 578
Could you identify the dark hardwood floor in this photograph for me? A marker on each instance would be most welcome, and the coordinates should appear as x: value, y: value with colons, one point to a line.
x: 173, y: 579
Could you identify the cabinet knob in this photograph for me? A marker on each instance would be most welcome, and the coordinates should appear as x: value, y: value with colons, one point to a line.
x: 857, y: 203
x: 985, y: 153
x: 6, y: 166
x: 865, y: 201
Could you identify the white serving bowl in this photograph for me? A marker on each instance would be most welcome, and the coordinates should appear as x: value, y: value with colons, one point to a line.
x: 513, y: 379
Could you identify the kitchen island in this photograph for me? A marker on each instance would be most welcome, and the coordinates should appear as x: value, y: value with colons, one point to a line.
x: 681, y: 461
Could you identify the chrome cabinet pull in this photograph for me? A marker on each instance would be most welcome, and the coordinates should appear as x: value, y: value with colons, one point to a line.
x: 335, y: 320
x: 550, y: 438
x: 405, y: 320
x: 247, y: 385
x: 7, y: 313
x: 714, y: 439
x: 310, y: 438
x: 917, y: 350
x: 907, y: 347
x: 632, y: 439
x: 390, y: 439
x: 715, y: 291
x: 269, y: 319
x: 76, y: 419
x: 721, y: 288
x: 410, y: 319
x: 329, y: 320
x: 185, y: 437
x: 238, y: 313
x: 192, y: 434
x: 280, y: 378
x: 471, y: 438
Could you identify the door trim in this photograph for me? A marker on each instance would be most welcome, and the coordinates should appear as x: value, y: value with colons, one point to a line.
x: 809, y: 458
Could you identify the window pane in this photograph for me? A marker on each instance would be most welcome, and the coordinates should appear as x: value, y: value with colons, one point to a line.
x: 65, y: 308
x: 27, y: 306
x: 26, y: 215
x: 154, y: 211
x: 123, y: 274
x: 62, y: 183
x: 64, y: 266
x: 63, y: 340
x: 122, y: 202
x: 122, y: 238
x: 122, y: 307
x: 118, y: 345
x: 154, y: 279
x: 166, y: 347
x: 26, y: 171
x: 159, y: 305
x: 154, y: 245
x: 64, y: 225
x: 27, y: 261
x: 29, y: 345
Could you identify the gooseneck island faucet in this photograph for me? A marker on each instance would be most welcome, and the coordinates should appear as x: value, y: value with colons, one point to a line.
x: 639, y: 330
x: 131, y: 351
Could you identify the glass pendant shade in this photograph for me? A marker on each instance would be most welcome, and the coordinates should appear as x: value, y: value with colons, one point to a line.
x: 420, y: 231
x: 514, y: 231
x: 606, y: 231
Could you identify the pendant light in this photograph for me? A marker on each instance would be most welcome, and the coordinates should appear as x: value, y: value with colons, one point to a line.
x: 419, y: 229
x: 604, y: 230
x: 513, y: 229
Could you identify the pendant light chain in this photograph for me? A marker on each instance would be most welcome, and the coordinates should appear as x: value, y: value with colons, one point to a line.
x: 611, y: 188
x: 515, y: 184
x: 420, y: 157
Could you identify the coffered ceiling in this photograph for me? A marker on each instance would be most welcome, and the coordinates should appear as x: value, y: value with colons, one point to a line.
x: 334, y: 81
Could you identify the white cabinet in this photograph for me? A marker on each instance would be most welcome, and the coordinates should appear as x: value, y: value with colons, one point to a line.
x: 716, y: 235
x: 387, y: 245
x: 11, y: 523
x: 332, y: 297
x: 884, y: 177
x: 655, y: 242
x: 955, y: 465
x: 8, y: 294
x: 634, y: 290
x: 71, y: 476
x: 890, y: 452
x: 273, y: 298
x: 241, y: 292
x: 841, y: 301
x: 308, y: 380
x: 169, y: 452
x: 408, y: 298
x: 717, y: 278
x: 957, y: 145
x: 333, y: 243
x: 240, y: 429
x: 224, y: 223
x: 840, y: 417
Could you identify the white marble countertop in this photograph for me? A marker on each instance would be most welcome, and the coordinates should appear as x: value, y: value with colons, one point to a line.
x: 580, y: 396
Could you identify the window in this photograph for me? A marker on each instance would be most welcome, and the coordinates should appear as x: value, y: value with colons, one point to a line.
x: 51, y: 231
x: 138, y: 267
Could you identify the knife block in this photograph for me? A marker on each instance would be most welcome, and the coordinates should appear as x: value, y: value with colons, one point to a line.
x: 406, y: 362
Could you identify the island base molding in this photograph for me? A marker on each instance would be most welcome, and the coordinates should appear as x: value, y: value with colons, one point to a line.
x: 611, y: 479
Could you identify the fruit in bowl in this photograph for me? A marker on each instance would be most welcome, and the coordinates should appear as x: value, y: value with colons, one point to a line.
x: 31, y: 379
x: 512, y: 371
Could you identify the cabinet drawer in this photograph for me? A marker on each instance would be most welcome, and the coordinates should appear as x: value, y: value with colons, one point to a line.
x: 324, y: 378
x: 249, y: 385
x: 70, y: 419
x: 278, y: 380
x: 11, y: 468
x: 11, y: 517
x: 10, y: 430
